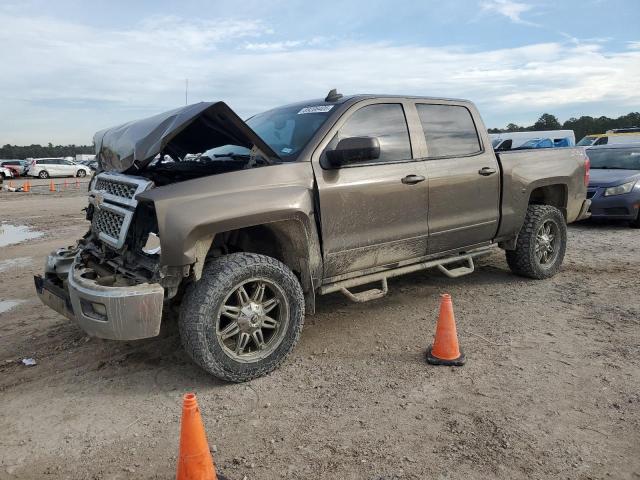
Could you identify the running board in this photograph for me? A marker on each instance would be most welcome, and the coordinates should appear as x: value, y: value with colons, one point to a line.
x: 344, y: 285
x: 368, y: 295
x: 459, y: 271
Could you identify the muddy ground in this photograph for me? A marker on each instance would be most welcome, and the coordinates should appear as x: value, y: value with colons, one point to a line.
x: 551, y: 388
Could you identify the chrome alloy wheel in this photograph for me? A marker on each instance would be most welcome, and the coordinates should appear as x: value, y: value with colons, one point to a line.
x: 252, y: 320
x: 546, y: 246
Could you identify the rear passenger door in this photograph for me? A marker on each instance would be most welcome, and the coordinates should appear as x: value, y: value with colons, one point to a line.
x: 463, y: 174
x: 372, y: 213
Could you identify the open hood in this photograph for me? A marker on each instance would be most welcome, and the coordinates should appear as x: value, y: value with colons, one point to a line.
x: 191, y: 129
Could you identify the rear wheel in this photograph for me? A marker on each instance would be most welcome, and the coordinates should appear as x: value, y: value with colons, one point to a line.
x: 43, y: 174
x: 541, y: 243
x: 243, y: 317
x: 81, y: 173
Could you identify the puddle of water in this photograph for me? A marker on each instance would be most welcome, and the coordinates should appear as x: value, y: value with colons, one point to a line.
x: 6, y: 305
x: 15, y: 263
x: 12, y: 234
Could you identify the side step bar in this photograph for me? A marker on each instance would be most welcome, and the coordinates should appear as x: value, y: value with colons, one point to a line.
x: 344, y: 285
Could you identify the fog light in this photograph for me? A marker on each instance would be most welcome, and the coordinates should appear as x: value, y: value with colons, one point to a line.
x: 99, y: 308
x: 152, y: 247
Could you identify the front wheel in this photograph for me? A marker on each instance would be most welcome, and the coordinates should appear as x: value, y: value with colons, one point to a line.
x: 43, y: 174
x: 541, y: 243
x: 81, y: 173
x: 243, y: 317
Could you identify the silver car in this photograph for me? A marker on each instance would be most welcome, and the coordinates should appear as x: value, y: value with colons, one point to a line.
x: 56, y: 167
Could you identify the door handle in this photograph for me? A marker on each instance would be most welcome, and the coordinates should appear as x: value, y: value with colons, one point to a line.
x: 412, y: 179
x: 486, y: 171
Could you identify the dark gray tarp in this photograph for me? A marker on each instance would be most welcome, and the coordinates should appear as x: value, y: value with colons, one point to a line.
x: 190, y: 129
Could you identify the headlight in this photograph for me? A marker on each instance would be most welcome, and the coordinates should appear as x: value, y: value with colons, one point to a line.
x: 620, y: 189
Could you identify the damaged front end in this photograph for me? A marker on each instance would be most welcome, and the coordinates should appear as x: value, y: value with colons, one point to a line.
x: 112, y: 282
x: 107, y: 283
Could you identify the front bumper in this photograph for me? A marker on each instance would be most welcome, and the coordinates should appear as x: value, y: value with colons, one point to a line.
x: 615, y: 207
x: 112, y: 312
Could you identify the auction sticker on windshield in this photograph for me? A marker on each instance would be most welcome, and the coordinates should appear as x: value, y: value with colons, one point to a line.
x: 316, y: 109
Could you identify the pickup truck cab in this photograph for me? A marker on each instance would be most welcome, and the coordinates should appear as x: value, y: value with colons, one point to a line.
x: 243, y: 224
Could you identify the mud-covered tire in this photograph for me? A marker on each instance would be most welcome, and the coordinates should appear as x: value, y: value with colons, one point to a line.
x: 203, y: 301
x: 523, y: 260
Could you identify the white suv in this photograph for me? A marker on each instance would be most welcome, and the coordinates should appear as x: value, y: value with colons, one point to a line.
x: 56, y: 167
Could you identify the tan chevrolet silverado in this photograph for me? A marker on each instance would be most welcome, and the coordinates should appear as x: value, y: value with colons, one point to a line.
x: 243, y: 224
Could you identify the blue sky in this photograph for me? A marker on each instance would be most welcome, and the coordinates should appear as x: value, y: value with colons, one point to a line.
x: 72, y: 67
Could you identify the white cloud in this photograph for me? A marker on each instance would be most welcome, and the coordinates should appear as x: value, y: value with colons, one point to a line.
x: 508, y: 8
x: 63, y: 81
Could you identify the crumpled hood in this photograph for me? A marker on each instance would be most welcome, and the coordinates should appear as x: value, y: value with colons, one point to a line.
x: 191, y: 129
x: 604, y: 177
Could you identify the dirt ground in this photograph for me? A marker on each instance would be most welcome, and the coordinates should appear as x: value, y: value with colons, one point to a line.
x: 551, y: 388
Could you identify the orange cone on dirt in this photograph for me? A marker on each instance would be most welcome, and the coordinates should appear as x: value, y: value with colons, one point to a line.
x: 445, y: 349
x: 194, y: 459
x: 27, y: 187
x: 77, y: 183
x: 52, y: 187
x: 66, y: 184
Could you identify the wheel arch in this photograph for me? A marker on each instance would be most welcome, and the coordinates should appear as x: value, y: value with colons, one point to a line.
x: 555, y: 194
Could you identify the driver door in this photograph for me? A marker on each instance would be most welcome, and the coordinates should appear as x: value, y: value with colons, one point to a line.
x: 372, y: 213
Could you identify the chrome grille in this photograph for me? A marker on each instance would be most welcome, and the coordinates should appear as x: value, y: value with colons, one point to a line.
x: 108, y: 222
x: 113, y: 197
x: 117, y: 189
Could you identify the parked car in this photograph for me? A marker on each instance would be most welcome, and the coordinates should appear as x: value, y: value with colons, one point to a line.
x: 311, y: 198
x: 18, y: 167
x: 511, y: 140
x: 56, y: 167
x: 611, y: 137
x: 614, y: 187
x: 6, y: 172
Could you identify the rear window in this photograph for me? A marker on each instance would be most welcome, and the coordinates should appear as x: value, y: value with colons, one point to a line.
x: 449, y: 130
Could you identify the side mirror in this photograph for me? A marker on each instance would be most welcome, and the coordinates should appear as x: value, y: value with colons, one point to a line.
x: 352, y: 150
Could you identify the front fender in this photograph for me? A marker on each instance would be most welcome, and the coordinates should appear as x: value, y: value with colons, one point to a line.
x: 196, y: 209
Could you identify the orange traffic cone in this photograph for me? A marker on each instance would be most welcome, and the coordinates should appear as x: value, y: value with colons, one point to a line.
x: 10, y: 183
x: 27, y: 186
x: 52, y: 187
x: 194, y: 459
x: 66, y: 184
x: 445, y: 349
x: 77, y: 183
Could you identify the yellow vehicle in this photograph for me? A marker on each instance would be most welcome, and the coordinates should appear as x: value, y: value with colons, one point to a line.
x: 612, y: 136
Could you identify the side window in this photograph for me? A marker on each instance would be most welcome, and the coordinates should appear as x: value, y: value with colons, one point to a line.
x: 449, y: 130
x: 384, y: 121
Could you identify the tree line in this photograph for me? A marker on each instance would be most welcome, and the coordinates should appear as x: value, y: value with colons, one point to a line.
x: 581, y: 126
x: 38, y: 151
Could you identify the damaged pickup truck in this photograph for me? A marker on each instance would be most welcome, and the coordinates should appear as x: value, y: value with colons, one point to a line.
x: 243, y: 224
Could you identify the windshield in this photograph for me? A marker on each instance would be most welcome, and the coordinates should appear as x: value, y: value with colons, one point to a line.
x: 586, y: 141
x: 287, y: 130
x: 615, y: 158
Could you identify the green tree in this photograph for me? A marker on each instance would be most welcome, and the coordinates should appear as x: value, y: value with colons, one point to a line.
x: 546, y: 122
